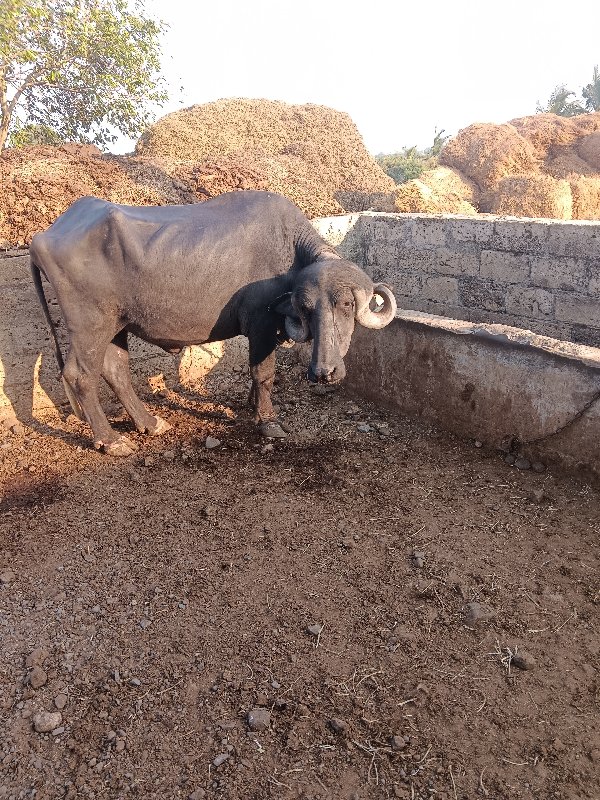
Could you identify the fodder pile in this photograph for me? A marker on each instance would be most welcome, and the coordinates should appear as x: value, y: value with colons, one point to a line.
x: 311, y: 154
x: 585, y: 194
x: 38, y: 183
x: 416, y: 197
x: 488, y: 153
x: 533, y: 196
x: 541, y: 166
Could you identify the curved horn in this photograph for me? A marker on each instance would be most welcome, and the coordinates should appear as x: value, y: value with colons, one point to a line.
x: 297, y: 328
x: 378, y: 319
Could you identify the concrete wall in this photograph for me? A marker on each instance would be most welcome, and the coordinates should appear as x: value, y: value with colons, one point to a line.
x: 541, y: 275
x: 508, y: 388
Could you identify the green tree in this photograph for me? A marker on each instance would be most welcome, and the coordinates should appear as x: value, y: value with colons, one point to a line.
x: 560, y: 104
x: 410, y: 162
x: 84, y: 69
x: 591, y: 92
x: 23, y: 135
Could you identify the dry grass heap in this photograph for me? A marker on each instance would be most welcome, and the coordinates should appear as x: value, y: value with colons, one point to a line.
x: 533, y: 196
x: 312, y: 154
x: 488, y: 153
x: 586, y: 197
x: 548, y: 132
x: 538, y: 166
x: 38, y: 183
x: 589, y: 149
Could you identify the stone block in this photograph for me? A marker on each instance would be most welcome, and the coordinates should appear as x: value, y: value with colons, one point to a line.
x: 504, y: 267
x: 481, y: 294
x: 429, y: 232
x: 440, y: 289
x: 577, y: 309
x: 479, y: 231
x: 531, y: 302
x: 568, y: 274
x: 519, y: 236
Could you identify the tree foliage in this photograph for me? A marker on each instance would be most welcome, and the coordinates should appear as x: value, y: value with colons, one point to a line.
x: 85, y: 69
x: 591, y: 92
x: 561, y: 104
x: 410, y: 162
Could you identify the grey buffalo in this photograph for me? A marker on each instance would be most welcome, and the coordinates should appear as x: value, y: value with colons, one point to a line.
x: 244, y: 263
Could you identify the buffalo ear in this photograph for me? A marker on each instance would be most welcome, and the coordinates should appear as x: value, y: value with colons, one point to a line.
x: 283, y: 305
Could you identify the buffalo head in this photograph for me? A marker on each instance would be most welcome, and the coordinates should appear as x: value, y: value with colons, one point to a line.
x: 327, y: 298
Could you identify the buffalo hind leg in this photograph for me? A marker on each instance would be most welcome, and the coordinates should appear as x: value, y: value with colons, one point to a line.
x: 115, y: 372
x: 262, y: 372
x: 82, y: 370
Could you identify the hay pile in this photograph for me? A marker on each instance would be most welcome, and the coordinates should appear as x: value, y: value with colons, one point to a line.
x: 309, y: 153
x: 548, y: 132
x: 537, y: 166
x: 488, y: 153
x: 39, y: 183
x: 589, y: 149
x: 533, y: 196
x: 419, y: 197
x: 585, y: 194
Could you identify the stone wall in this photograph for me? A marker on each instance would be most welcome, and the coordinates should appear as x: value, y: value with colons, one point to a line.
x: 540, y: 275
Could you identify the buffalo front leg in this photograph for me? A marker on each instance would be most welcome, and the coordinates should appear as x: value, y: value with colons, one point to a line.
x: 115, y: 372
x: 262, y: 372
x: 81, y: 372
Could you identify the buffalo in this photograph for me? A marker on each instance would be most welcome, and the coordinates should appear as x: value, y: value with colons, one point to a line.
x: 244, y: 263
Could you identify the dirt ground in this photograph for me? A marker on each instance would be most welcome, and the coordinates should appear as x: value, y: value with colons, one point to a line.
x: 349, y: 613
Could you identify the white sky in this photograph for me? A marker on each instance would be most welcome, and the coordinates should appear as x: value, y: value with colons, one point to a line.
x: 400, y: 69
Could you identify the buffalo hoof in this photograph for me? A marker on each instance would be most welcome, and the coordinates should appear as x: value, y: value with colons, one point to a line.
x: 272, y: 430
x: 162, y: 426
x: 122, y: 447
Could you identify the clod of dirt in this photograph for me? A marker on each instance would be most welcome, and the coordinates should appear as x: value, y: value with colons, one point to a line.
x: 338, y: 726
x: 523, y: 463
x: 37, y: 678
x: 36, y: 657
x: 418, y: 559
x: 538, y: 467
x: 398, y: 742
x: 523, y: 660
x: 221, y: 759
x: 7, y: 577
x: 198, y: 794
x: 46, y: 721
x: 363, y: 427
x: 259, y: 719
x: 510, y: 459
x: 211, y: 442
x: 477, y: 614
x: 60, y: 701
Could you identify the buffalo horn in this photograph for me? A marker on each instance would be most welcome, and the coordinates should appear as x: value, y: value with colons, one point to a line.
x: 378, y: 319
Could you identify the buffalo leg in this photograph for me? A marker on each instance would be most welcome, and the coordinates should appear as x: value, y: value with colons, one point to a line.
x: 116, y: 373
x: 82, y: 371
x: 262, y: 372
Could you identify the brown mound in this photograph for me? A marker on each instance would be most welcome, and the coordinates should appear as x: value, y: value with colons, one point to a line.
x: 447, y: 181
x: 586, y: 197
x: 589, y: 149
x: 39, y: 183
x: 415, y: 197
x: 547, y: 132
x: 309, y: 153
x: 488, y: 153
x: 533, y: 196
x: 567, y: 164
